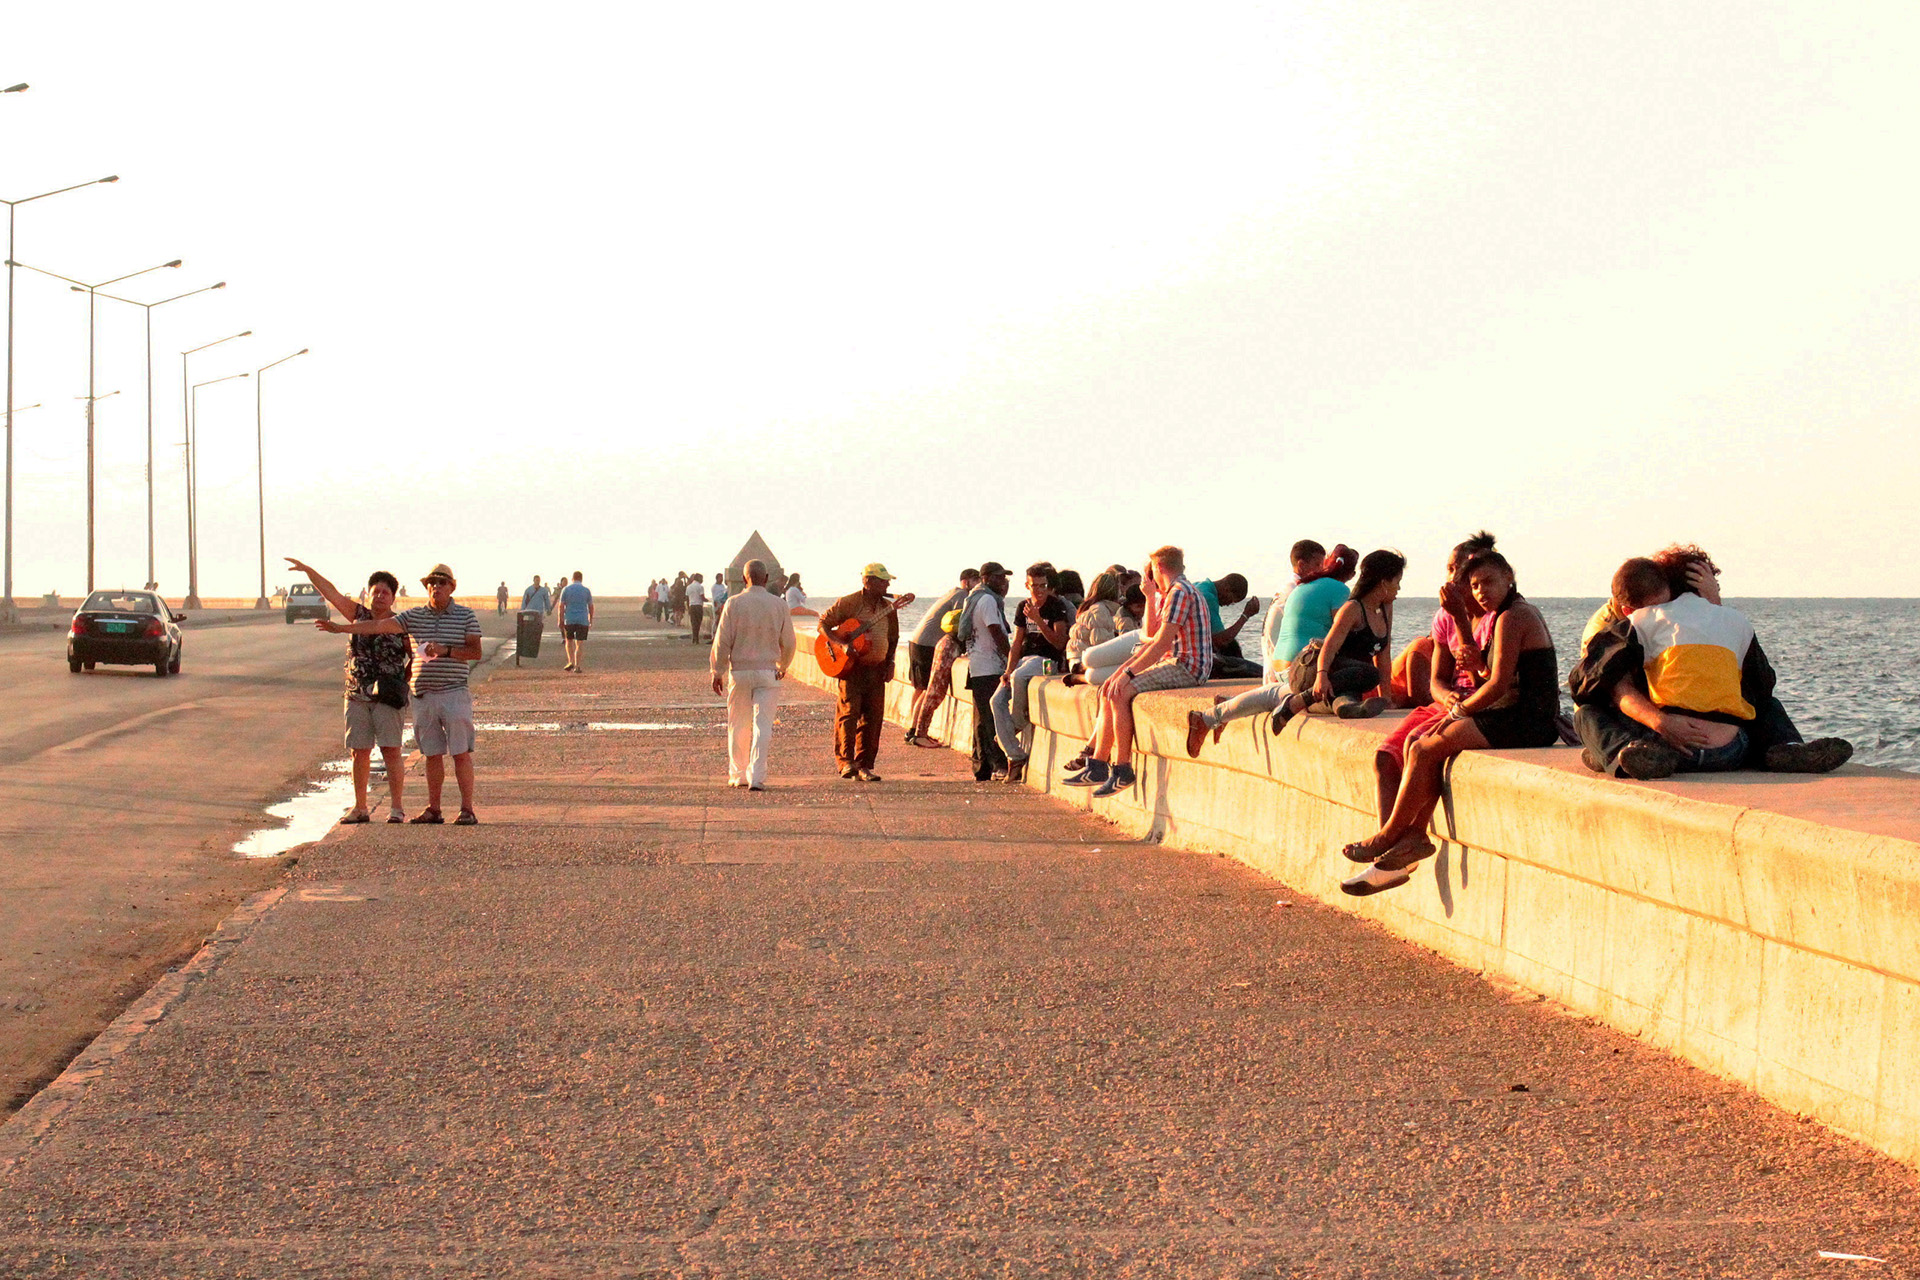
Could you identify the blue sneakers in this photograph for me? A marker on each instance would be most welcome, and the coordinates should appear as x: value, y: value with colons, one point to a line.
x: 1093, y: 775
x: 1119, y: 780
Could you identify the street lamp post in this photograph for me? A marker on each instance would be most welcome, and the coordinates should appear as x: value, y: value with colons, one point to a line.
x: 260, y: 458
x: 92, y: 290
x: 193, y: 457
x: 153, y: 582
x: 6, y: 590
x: 186, y: 420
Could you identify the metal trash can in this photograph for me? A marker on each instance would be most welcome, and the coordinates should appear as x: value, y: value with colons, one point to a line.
x: 526, y: 634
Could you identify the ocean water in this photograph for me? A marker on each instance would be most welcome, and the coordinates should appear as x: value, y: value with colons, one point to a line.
x: 1847, y: 668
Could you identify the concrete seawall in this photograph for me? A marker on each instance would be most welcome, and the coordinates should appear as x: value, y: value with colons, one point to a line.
x: 1764, y: 927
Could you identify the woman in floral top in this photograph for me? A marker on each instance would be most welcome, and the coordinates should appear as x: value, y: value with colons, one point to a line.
x: 377, y: 672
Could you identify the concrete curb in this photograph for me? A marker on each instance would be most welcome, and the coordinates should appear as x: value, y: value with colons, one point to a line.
x: 24, y: 1129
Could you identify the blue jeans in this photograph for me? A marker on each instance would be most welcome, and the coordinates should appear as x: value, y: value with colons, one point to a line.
x: 1605, y: 731
x: 1010, y: 709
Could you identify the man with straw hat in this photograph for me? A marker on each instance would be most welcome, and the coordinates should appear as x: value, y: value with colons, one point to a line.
x: 862, y: 712
x: 447, y: 634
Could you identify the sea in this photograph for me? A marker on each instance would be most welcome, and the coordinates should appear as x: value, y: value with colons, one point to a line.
x: 1847, y: 668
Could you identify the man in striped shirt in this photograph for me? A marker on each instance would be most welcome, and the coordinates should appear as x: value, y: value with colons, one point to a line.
x: 1176, y: 652
x: 447, y: 637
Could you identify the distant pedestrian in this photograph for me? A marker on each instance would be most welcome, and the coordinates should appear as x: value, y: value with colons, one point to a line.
x: 576, y: 616
x: 753, y: 644
x: 447, y: 634
x: 376, y: 701
x: 984, y: 632
x: 559, y: 584
x: 924, y: 656
x: 720, y: 594
x: 696, y: 605
x: 536, y: 598
x: 500, y: 597
x: 677, y: 600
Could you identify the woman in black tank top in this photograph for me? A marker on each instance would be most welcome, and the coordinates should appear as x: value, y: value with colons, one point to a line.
x: 1515, y: 707
x: 1355, y: 655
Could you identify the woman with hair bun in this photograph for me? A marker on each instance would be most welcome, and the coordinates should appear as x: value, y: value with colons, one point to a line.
x: 1354, y: 655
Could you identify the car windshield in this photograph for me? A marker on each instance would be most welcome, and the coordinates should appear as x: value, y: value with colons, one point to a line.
x: 120, y: 602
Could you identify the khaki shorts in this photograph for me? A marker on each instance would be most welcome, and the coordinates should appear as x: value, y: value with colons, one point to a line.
x: 374, y: 724
x: 443, y: 722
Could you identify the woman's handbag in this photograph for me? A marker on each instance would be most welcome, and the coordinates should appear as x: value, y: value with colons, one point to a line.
x: 390, y: 688
x: 1305, y: 668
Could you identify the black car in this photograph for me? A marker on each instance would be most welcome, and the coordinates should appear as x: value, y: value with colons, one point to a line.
x: 125, y: 629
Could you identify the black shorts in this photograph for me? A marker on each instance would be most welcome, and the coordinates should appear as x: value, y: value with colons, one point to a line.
x: 573, y: 631
x: 919, y: 665
x: 1517, y: 726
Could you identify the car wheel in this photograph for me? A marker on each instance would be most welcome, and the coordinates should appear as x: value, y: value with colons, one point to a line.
x: 160, y: 668
x: 73, y: 665
x: 173, y: 668
x: 87, y: 665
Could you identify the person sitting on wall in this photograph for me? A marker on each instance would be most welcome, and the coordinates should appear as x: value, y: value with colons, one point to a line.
x: 1223, y: 593
x: 1352, y: 658
x: 1457, y: 647
x: 1309, y: 563
x: 1516, y: 707
x: 1412, y: 684
x: 1678, y: 682
x: 1175, y: 653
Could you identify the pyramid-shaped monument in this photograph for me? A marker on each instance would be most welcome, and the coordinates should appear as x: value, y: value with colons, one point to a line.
x: 755, y: 549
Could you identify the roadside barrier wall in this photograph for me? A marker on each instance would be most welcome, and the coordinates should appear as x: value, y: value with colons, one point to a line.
x: 1771, y: 949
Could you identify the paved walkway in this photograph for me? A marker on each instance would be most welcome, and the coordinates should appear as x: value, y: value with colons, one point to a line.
x: 642, y: 1024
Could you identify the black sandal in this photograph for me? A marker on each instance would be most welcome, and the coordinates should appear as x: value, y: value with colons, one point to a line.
x: 429, y: 817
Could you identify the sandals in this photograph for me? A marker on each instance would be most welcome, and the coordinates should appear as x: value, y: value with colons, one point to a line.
x: 354, y: 817
x: 466, y: 819
x: 429, y: 817
x: 396, y: 815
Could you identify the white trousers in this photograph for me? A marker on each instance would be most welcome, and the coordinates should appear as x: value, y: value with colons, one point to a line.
x: 751, y: 699
x: 1103, y: 659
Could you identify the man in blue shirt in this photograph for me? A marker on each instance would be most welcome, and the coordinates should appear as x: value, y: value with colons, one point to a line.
x: 576, y: 615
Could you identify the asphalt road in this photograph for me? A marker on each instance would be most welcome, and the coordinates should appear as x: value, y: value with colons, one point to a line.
x: 121, y: 796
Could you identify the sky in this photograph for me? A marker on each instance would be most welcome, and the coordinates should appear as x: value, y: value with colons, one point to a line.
x: 608, y: 287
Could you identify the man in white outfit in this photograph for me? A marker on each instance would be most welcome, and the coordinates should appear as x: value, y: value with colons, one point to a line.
x: 752, y: 648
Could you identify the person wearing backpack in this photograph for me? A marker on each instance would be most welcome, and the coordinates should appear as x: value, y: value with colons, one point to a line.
x: 924, y: 652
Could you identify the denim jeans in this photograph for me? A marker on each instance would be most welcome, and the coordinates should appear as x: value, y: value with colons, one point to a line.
x: 1010, y: 716
x: 987, y: 756
x: 1606, y: 732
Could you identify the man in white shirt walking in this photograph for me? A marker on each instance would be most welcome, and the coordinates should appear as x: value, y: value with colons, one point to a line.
x: 752, y: 647
x: 696, y: 604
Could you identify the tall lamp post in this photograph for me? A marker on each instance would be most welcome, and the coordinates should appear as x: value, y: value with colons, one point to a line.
x: 260, y: 457
x: 13, y: 206
x: 92, y: 290
x: 153, y: 582
x: 186, y: 419
x: 193, y: 457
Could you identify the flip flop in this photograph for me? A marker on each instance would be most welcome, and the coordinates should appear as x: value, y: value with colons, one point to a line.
x: 1373, y: 880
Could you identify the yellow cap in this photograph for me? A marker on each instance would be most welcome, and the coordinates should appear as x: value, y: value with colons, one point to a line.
x: 877, y: 570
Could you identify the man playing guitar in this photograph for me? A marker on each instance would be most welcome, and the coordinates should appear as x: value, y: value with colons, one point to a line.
x: 862, y: 711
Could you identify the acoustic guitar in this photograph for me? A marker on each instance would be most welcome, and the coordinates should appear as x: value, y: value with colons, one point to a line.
x: 838, y: 648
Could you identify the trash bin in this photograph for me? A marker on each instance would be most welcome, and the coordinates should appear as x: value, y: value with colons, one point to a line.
x: 526, y: 634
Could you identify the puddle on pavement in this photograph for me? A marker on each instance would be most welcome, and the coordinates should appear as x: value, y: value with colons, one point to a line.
x: 307, y: 816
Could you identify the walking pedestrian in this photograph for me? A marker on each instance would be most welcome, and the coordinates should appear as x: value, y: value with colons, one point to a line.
x: 535, y: 598
x: 376, y: 696
x: 753, y: 645
x: 696, y: 605
x: 930, y: 670
x: 576, y: 616
x: 447, y: 634
x: 500, y: 598
x: 720, y: 594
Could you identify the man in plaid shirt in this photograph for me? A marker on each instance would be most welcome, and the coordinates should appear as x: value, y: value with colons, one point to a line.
x: 1176, y: 653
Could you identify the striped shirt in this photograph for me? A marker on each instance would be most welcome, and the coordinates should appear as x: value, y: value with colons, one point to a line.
x: 451, y: 628
x: 1185, y: 616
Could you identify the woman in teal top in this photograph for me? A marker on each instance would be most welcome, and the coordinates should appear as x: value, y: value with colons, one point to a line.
x: 1312, y: 604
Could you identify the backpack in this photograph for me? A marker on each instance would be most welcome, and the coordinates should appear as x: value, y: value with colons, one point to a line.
x: 963, y: 627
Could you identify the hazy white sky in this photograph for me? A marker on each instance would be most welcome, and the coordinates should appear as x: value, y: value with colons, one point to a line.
x: 608, y: 286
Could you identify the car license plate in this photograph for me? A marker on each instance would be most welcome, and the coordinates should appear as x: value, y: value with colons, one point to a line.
x: 117, y: 628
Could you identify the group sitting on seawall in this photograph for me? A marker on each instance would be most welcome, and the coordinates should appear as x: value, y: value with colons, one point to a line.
x: 1669, y: 680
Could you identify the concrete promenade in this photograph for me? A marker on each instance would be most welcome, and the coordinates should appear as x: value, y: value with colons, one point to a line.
x: 643, y: 1024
